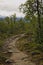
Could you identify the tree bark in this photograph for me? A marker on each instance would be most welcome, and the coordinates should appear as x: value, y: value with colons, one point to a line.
x: 39, y: 22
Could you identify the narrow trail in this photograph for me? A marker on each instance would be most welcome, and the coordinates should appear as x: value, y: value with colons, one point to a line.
x: 18, y: 57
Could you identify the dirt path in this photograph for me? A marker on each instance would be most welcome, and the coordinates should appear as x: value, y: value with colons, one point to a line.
x: 18, y: 57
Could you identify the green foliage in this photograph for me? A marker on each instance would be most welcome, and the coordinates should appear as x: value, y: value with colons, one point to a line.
x: 34, y: 51
x: 8, y: 27
x: 1, y: 43
x: 33, y: 10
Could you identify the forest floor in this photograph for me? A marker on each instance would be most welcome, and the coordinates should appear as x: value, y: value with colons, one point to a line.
x: 18, y: 57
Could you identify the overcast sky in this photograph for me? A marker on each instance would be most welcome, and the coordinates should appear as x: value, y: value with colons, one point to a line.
x: 9, y: 7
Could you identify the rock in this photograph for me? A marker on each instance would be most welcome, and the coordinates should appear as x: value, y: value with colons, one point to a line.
x: 5, y: 52
x: 35, y: 53
x: 10, y: 51
x: 9, y: 47
x: 41, y: 59
x: 9, y: 61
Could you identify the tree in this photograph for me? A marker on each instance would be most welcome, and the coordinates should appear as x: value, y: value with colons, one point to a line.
x: 33, y: 8
x: 7, y: 19
x: 14, y: 18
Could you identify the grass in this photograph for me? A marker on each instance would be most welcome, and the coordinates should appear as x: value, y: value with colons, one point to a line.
x: 1, y: 42
x: 35, y: 51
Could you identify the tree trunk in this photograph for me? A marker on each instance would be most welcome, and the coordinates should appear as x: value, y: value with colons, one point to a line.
x: 39, y: 22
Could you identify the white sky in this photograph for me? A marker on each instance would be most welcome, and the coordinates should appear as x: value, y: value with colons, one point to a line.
x: 9, y: 7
